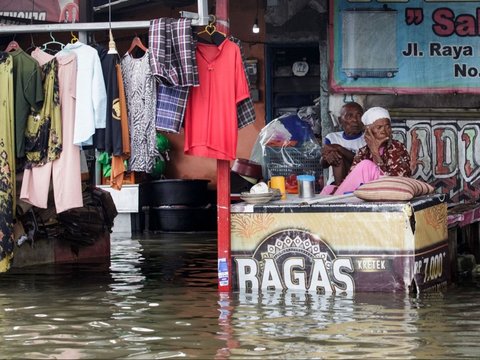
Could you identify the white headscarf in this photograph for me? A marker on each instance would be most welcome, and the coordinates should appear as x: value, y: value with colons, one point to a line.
x: 373, y: 114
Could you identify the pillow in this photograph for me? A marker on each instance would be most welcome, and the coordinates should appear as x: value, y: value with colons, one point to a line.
x: 422, y: 187
x: 394, y: 188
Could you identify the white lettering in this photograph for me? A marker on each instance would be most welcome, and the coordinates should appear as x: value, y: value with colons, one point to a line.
x: 341, y: 268
x: 295, y: 277
x: 294, y: 280
x: 247, y: 270
x: 271, y: 279
x: 319, y: 277
x: 371, y: 264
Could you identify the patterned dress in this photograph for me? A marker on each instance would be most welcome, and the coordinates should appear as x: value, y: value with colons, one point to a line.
x: 43, y: 134
x: 7, y: 157
x: 395, y: 156
x: 140, y: 91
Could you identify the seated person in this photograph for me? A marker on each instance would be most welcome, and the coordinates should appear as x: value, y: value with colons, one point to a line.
x: 381, y: 156
x: 340, y: 147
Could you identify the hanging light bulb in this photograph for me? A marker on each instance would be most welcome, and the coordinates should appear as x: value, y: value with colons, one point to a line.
x: 255, y: 28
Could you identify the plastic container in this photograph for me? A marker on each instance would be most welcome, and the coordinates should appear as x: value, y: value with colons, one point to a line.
x: 183, y: 218
x: 193, y: 192
x: 247, y: 168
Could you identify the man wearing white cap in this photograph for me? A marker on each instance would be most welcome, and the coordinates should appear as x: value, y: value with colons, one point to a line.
x: 381, y: 156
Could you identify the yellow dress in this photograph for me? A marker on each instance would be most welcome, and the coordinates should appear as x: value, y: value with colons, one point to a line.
x: 7, y: 161
x: 43, y: 133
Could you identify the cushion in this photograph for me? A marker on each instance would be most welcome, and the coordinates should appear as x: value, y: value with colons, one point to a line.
x: 392, y: 188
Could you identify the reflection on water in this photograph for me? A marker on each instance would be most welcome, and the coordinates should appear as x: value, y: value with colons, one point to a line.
x: 158, y: 299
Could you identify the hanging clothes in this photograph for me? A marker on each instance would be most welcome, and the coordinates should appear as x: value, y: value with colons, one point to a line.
x: 118, y: 161
x: 43, y: 132
x: 140, y: 91
x: 211, y: 126
x: 7, y: 156
x: 123, y: 113
x: 172, y: 52
x: 109, y: 139
x: 245, y: 108
x: 27, y: 82
x: 92, y: 100
x: 65, y: 171
x: 173, y: 63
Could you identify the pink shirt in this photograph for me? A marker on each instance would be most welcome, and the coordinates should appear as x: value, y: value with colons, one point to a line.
x: 65, y: 171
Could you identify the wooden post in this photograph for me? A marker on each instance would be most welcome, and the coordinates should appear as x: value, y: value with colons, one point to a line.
x: 223, y: 185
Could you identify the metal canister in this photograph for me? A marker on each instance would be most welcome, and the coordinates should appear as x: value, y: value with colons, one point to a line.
x: 306, y: 186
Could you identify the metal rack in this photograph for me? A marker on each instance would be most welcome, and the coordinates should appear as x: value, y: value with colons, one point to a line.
x: 223, y: 166
x: 198, y: 19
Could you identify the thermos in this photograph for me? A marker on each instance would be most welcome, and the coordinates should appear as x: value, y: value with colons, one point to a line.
x: 306, y: 186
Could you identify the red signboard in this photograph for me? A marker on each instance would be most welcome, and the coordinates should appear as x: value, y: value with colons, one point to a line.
x: 39, y: 10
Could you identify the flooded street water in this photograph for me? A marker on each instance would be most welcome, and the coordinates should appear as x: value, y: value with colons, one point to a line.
x: 158, y: 299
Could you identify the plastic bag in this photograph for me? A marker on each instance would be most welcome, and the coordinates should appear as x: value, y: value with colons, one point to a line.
x: 288, y: 147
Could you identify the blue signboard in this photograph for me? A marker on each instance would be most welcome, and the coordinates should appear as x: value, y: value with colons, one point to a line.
x: 405, y: 47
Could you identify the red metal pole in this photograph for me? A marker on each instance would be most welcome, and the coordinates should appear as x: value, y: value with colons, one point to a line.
x: 223, y: 185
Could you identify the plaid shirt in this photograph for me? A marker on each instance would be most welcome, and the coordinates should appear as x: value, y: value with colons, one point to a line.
x: 245, y: 108
x: 172, y: 52
x: 171, y: 45
x: 171, y: 105
x: 173, y: 63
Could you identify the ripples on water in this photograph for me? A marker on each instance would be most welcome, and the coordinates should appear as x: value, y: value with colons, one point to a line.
x: 158, y: 299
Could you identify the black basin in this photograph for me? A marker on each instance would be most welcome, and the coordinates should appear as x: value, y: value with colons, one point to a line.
x: 192, y: 192
x: 183, y: 218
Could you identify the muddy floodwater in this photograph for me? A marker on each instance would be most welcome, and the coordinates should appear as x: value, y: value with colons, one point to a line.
x: 158, y: 299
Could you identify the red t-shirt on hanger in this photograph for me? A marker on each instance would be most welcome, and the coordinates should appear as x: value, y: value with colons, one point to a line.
x: 211, y: 115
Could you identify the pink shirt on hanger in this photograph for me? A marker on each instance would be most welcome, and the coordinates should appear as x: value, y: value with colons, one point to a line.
x: 65, y: 171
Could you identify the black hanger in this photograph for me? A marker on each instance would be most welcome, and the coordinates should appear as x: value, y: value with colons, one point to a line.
x: 32, y: 45
x: 216, y: 37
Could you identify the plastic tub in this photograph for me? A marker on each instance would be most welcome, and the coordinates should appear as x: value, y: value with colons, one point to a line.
x: 192, y: 192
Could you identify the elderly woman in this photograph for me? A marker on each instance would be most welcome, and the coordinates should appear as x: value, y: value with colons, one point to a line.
x: 381, y: 156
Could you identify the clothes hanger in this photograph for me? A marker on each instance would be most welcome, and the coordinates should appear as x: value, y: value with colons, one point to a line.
x: 216, y: 37
x: 13, y: 45
x: 74, y: 38
x: 32, y: 45
x: 136, y: 42
x: 52, y: 42
x: 210, y: 28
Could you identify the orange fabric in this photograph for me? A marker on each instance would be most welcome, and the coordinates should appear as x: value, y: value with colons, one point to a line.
x: 123, y: 113
x: 117, y: 173
x: 118, y: 168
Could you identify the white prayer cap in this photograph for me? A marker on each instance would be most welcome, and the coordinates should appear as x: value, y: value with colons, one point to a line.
x: 373, y: 114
